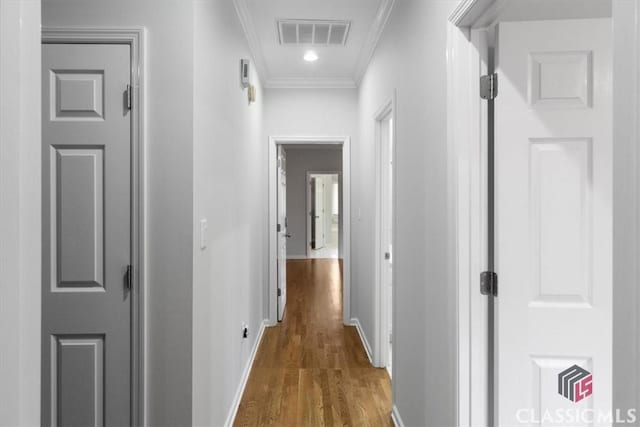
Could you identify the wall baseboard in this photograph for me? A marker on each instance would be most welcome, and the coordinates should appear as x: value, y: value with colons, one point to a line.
x: 396, y: 418
x: 245, y: 377
x: 367, y: 347
x: 296, y: 257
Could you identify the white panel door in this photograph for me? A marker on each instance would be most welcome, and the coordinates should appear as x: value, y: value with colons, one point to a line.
x: 319, y: 212
x: 387, y: 231
x: 86, y: 163
x: 553, y: 216
x: 282, y: 231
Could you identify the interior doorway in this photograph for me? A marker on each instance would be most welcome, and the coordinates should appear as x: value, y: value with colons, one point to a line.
x: 324, y: 191
x: 290, y: 225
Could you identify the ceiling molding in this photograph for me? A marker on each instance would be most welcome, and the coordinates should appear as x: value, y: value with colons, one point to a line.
x: 369, y: 48
x: 252, y: 38
x: 310, y: 83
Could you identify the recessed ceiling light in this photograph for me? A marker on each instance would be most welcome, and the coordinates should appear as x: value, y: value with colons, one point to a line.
x: 310, y: 56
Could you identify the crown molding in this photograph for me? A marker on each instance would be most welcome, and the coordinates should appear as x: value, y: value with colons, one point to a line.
x: 375, y: 32
x: 253, y: 40
x: 478, y: 13
x: 310, y: 83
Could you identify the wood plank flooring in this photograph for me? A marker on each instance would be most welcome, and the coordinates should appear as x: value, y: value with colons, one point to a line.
x: 310, y: 369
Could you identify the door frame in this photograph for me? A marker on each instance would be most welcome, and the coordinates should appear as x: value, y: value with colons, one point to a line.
x: 388, y: 110
x: 345, y: 143
x: 308, y: 201
x: 467, y: 58
x: 135, y: 37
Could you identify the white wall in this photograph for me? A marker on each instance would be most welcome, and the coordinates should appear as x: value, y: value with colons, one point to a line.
x: 169, y: 123
x: 311, y: 112
x: 411, y: 59
x: 299, y: 162
x: 230, y: 166
x: 20, y: 213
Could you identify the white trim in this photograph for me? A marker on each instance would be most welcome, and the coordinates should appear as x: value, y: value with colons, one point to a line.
x: 294, y: 257
x: 308, y: 207
x: 249, y: 28
x: 467, y: 141
x: 363, y: 337
x: 310, y: 83
x: 375, y: 32
x: 345, y: 142
x: 381, y: 341
x: 626, y: 204
x: 396, y: 418
x: 135, y: 38
x: 469, y: 11
x: 237, y: 398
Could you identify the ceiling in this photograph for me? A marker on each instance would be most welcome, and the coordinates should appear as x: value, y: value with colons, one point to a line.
x: 338, y: 66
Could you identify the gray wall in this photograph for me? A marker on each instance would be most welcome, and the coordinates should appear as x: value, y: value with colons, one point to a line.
x: 230, y: 165
x: 299, y: 162
x: 411, y: 59
x: 169, y: 186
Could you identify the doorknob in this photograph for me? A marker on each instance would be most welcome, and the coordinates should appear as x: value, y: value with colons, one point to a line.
x: 288, y: 236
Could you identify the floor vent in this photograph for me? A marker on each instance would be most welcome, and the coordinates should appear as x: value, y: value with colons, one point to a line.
x: 313, y: 32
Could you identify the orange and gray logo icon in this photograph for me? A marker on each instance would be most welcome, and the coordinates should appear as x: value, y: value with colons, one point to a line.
x: 575, y: 383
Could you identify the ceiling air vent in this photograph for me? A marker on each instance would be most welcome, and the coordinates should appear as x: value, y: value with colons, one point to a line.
x: 305, y: 31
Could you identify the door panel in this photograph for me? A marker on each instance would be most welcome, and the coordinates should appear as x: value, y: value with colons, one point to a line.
x: 553, y: 215
x: 282, y: 231
x: 77, y: 212
x: 86, y: 309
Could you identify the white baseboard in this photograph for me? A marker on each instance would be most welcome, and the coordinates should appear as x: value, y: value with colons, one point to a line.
x: 245, y: 377
x: 367, y: 347
x: 296, y: 257
x: 395, y: 417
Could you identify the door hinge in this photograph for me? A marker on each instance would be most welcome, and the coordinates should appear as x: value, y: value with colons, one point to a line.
x: 129, y: 277
x: 489, y: 283
x: 279, y: 292
x: 489, y: 86
x: 129, y: 97
x: 278, y: 228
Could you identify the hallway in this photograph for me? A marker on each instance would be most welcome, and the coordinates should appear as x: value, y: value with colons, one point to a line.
x: 311, y: 369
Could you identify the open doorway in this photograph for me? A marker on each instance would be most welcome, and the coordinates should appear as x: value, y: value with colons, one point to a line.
x: 316, y: 185
x: 323, y: 215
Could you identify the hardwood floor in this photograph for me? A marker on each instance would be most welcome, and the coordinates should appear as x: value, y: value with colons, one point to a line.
x: 311, y: 370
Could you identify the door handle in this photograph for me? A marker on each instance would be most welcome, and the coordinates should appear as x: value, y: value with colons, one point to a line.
x: 128, y: 280
x: 288, y: 236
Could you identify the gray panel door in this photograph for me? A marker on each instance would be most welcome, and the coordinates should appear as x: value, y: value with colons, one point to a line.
x: 86, y: 305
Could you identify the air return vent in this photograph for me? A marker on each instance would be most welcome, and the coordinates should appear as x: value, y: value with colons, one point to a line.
x: 301, y: 31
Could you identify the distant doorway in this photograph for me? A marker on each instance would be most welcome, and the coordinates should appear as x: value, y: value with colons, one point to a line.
x: 323, y: 215
x: 305, y: 156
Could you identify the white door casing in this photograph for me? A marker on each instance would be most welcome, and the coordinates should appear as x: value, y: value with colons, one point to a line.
x: 318, y: 212
x: 553, y: 215
x: 282, y: 231
x: 86, y: 319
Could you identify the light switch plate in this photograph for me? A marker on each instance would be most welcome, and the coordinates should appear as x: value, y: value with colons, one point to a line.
x: 203, y: 233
